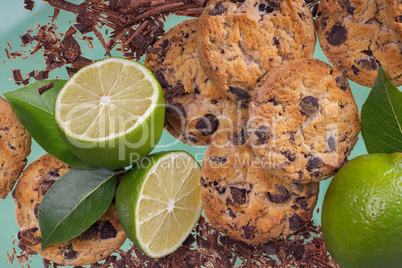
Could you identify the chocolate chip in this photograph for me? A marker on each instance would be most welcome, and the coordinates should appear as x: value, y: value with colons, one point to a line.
x: 218, y: 9
x: 11, y: 146
x: 342, y: 82
x: 53, y: 175
x: 207, y: 124
x: 261, y: 7
x: 276, y: 42
x: 218, y: 160
x: 302, y: 202
x: 368, y: 64
x: 70, y: 253
x: 323, y: 21
x: 337, y: 35
x: 36, y: 210
x: 220, y: 190
x: 280, y: 195
x: 108, y: 231
x: 248, y: 232
x: 308, y: 106
x: 331, y: 144
x: 29, y: 238
x: 231, y: 213
x: 368, y: 52
x: 160, y: 76
x: 291, y: 157
x: 275, y: 4
x: 165, y: 44
x: 177, y: 89
x: 262, y: 134
x: 314, y: 162
x: 91, y: 233
x: 202, y: 181
x: 237, y: 1
x: 356, y: 70
x: 45, y: 186
x: 398, y: 19
x: 348, y: 7
x: 229, y: 202
x: 295, y: 222
x: 239, y: 195
x: 240, y: 94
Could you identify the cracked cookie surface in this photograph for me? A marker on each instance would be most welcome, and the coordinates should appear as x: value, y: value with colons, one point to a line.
x: 15, y: 146
x: 245, y: 201
x: 195, y: 109
x: 360, y: 36
x: 239, y: 41
x: 96, y: 243
x: 304, y: 121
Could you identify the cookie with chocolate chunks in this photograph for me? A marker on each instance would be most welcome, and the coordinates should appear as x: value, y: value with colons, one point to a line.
x: 246, y: 201
x: 360, y: 36
x: 304, y: 121
x: 96, y: 243
x: 195, y: 109
x: 15, y: 146
x: 239, y: 41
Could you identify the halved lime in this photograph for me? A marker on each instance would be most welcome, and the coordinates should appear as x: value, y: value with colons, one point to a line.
x: 111, y: 113
x: 158, y: 201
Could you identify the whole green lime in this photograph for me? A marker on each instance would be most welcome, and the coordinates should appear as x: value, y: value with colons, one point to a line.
x: 362, y: 212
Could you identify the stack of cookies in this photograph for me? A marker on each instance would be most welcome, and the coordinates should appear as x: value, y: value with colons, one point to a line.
x: 241, y: 79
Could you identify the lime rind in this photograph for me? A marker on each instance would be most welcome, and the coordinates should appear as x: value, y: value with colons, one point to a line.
x: 132, y: 189
x: 131, y: 144
x: 147, y: 76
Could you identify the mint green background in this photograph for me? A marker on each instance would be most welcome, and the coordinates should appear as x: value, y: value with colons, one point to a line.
x: 14, y: 22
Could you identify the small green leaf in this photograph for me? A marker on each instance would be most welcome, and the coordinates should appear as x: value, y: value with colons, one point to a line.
x: 73, y: 203
x: 36, y: 113
x: 381, y: 117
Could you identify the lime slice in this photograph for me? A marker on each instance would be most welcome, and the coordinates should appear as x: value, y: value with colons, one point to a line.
x: 158, y: 202
x: 111, y: 113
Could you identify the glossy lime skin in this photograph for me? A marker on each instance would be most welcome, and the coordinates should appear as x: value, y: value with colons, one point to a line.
x: 362, y: 212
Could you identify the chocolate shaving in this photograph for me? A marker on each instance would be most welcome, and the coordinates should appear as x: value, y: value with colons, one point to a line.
x: 29, y: 4
x: 17, y: 75
x: 206, y: 247
x: 26, y: 38
x: 44, y: 88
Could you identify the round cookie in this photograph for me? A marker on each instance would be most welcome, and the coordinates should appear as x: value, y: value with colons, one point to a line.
x: 15, y: 146
x: 360, y: 36
x: 195, y: 109
x: 96, y: 243
x: 239, y: 41
x: 245, y: 201
x: 304, y: 121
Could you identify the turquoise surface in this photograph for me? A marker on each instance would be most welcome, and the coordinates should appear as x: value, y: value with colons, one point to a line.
x: 14, y: 22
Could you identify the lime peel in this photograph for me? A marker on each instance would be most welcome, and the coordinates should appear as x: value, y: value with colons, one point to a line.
x: 156, y: 212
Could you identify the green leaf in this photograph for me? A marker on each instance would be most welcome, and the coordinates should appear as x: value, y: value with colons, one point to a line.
x: 36, y: 113
x: 73, y: 203
x: 381, y: 117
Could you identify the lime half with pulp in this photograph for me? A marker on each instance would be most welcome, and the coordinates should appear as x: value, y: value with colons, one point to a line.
x: 158, y: 202
x: 111, y: 113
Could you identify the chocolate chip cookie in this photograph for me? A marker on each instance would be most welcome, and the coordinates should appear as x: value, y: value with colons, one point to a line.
x: 96, y: 243
x: 195, y: 109
x: 360, y: 36
x: 15, y: 146
x: 246, y: 201
x: 239, y: 41
x: 304, y: 121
